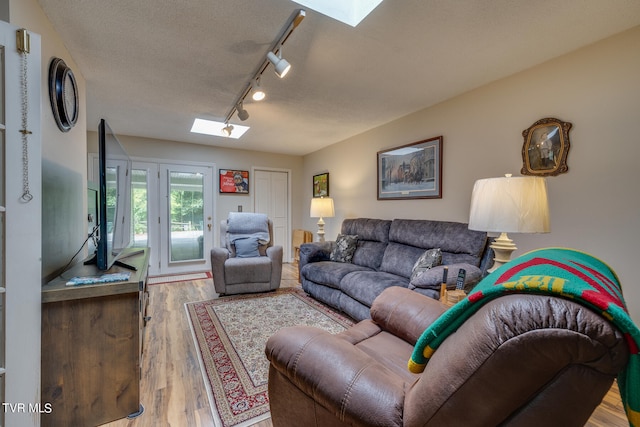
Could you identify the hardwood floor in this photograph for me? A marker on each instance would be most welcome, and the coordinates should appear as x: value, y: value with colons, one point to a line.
x: 173, y: 391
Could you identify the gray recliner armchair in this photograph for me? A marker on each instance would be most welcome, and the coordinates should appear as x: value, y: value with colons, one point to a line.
x: 247, y: 260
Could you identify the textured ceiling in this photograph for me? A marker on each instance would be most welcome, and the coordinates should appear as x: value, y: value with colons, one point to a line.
x: 153, y: 66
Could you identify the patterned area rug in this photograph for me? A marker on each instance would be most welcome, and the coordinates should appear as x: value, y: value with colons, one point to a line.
x: 230, y: 334
x: 157, y: 280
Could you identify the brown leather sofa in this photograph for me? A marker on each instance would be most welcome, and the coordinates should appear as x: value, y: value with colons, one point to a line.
x: 521, y: 360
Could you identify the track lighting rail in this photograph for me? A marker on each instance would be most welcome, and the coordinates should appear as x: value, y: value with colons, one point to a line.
x: 275, y: 49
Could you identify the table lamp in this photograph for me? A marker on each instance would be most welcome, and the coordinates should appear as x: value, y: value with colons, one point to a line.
x: 509, y: 205
x: 321, y: 207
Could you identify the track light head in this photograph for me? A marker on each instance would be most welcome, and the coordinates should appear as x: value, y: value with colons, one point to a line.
x: 227, y: 130
x: 281, y: 65
x: 258, y: 93
x: 242, y: 113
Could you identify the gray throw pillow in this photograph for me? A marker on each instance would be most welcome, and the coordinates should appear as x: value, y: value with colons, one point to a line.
x: 344, y: 249
x: 247, y: 247
x: 429, y: 259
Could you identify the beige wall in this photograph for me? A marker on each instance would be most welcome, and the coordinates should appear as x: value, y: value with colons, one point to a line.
x: 595, y: 207
x: 63, y: 154
x: 223, y: 158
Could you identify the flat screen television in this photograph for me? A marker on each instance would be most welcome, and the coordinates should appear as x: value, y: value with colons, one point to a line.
x: 114, y: 200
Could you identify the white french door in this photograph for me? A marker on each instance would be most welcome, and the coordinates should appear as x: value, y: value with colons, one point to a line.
x: 186, y: 218
x: 172, y: 214
x: 145, y: 205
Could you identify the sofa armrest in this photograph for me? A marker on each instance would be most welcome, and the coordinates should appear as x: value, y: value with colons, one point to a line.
x: 275, y: 255
x: 314, y: 252
x: 218, y: 257
x: 432, y: 278
x: 405, y: 313
x: 360, y: 392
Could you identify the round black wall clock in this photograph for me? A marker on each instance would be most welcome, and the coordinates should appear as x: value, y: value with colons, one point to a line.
x: 63, y: 94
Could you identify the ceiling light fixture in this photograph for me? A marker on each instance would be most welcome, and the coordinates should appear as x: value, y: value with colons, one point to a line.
x: 258, y: 93
x: 242, y: 113
x: 227, y: 129
x: 281, y: 65
x: 274, y: 55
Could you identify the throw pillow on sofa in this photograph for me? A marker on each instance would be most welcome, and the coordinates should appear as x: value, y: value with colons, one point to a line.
x: 432, y: 279
x: 344, y: 249
x: 429, y: 259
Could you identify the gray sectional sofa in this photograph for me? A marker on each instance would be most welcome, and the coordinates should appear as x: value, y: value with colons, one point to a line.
x: 385, y: 255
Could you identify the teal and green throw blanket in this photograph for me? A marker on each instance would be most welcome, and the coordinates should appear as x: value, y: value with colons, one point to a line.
x: 553, y: 271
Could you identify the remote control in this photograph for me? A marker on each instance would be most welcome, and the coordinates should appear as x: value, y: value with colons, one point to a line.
x: 460, y: 281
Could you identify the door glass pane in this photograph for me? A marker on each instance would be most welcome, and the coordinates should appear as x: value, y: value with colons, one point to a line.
x: 111, y: 174
x: 139, y: 207
x: 187, y: 216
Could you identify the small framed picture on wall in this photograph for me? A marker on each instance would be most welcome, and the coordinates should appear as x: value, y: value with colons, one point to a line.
x: 234, y: 181
x: 546, y: 147
x: 321, y: 185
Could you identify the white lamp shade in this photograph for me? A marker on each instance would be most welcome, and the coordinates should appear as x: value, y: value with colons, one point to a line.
x: 510, y: 205
x: 321, y: 207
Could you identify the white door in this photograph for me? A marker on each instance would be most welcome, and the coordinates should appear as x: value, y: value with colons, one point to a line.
x: 20, y: 229
x: 271, y: 196
x: 186, y: 218
x: 145, y: 215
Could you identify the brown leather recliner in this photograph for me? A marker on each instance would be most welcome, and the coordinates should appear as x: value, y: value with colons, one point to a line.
x: 521, y: 360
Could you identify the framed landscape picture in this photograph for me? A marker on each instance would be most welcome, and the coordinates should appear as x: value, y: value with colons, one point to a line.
x: 412, y: 171
x: 321, y: 185
x: 234, y: 181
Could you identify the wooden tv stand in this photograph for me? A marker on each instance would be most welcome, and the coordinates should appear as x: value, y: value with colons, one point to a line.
x: 92, y: 343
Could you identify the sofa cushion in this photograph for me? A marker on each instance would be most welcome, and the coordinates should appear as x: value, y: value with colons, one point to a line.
x: 457, y: 242
x: 344, y: 248
x: 430, y: 258
x: 399, y: 259
x: 373, y: 236
x: 367, y: 229
x: 329, y: 273
x: 247, y: 270
x: 365, y: 286
x: 369, y: 254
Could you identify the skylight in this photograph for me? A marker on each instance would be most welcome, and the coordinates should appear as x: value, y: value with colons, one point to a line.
x: 351, y: 12
x: 210, y: 127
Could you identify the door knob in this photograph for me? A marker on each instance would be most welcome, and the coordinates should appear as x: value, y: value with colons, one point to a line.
x: 209, y: 226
